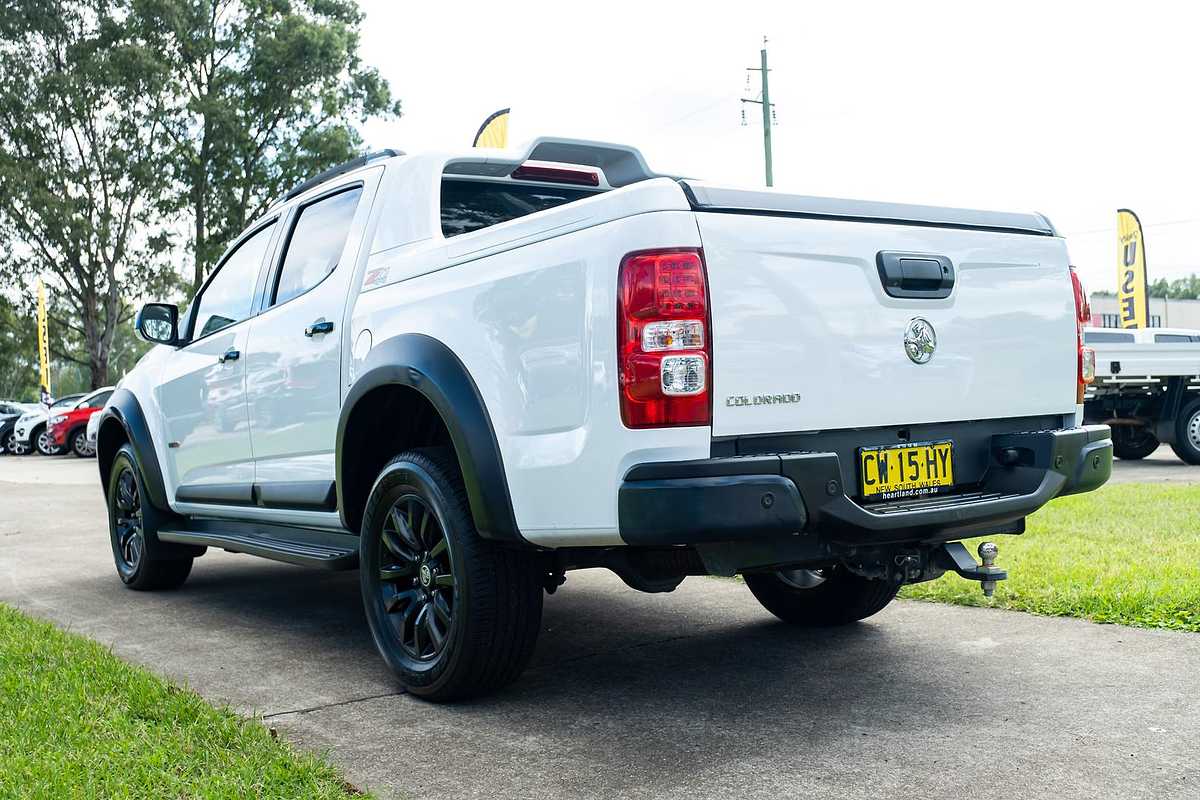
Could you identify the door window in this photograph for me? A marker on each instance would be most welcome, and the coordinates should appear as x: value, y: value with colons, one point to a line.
x: 318, y: 237
x: 229, y: 296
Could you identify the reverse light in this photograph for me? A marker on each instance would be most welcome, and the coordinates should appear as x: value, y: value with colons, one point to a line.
x: 663, y: 348
x: 1087, y: 364
x: 683, y: 375
x: 1086, y: 371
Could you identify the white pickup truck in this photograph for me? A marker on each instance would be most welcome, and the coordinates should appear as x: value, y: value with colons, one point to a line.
x: 1147, y: 387
x: 470, y: 373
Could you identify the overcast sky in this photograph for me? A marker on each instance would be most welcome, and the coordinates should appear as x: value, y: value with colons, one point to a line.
x: 1069, y: 108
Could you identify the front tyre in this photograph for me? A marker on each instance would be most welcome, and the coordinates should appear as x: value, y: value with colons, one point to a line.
x: 819, y: 598
x: 1187, y: 433
x: 80, y: 445
x: 142, y: 561
x: 452, y: 614
x: 41, y: 440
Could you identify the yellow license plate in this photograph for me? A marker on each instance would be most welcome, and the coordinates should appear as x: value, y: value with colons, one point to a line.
x: 906, y: 470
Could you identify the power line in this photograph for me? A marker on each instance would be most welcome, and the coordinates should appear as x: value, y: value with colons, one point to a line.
x: 1144, y: 225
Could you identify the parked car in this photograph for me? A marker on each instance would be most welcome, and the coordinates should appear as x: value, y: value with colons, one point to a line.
x: 30, y: 430
x: 1145, y: 390
x: 93, y: 426
x: 10, y: 412
x: 501, y: 367
x: 68, y: 428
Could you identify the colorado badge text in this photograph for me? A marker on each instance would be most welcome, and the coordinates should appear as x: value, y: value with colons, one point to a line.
x: 761, y: 399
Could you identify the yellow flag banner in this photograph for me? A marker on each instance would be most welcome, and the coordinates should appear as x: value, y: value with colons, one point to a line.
x: 1133, y: 301
x: 43, y: 337
x: 494, y: 131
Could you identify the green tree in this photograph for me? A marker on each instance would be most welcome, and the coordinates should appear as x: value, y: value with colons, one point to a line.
x: 1186, y: 288
x: 267, y: 94
x: 82, y: 165
x: 18, y: 353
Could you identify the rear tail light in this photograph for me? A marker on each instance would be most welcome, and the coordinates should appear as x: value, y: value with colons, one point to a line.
x: 663, y: 345
x: 1086, y: 372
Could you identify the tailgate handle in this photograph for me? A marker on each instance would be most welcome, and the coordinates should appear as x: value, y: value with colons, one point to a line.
x: 915, y: 275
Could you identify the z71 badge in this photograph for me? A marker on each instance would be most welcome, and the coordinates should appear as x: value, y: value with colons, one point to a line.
x: 761, y: 399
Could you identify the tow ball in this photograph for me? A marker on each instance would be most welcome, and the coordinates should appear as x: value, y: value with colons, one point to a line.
x: 954, y: 555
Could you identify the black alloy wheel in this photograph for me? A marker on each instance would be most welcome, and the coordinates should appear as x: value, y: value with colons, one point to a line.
x: 453, y: 614
x: 129, y: 522
x: 416, y: 578
x: 143, y: 562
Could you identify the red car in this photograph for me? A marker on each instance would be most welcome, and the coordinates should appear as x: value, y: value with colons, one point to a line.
x: 69, y: 428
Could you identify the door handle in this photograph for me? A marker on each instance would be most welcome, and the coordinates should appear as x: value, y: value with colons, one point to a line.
x: 915, y: 275
x: 320, y: 326
x: 229, y: 355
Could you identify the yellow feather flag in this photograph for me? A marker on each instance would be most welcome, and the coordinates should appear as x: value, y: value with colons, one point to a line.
x: 1133, y: 301
x: 43, y: 337
x: 494, y: 130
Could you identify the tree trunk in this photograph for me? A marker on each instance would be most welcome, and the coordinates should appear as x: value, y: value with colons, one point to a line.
x: 200, y: 209
x: 97, y: 354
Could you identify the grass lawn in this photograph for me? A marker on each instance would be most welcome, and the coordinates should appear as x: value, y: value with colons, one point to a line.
x: 76, y: 721
x: 1127, y: 553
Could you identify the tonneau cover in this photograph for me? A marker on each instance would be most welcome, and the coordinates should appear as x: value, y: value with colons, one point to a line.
x: 706, y: 197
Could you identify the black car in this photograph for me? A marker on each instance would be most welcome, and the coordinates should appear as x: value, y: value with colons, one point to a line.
x: 9, y: 414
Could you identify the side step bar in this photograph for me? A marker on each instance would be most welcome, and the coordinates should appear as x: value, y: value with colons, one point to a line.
x: 307, y: 547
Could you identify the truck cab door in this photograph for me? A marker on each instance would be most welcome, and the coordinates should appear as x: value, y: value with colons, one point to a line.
x: 293, y: 372
x: 202, y: 392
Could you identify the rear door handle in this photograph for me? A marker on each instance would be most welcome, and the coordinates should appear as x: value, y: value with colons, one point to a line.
x: 229, y: 355
x: 320, y: 326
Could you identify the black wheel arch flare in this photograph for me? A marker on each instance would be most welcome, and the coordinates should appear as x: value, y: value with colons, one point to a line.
x: 422, y: 363
x: 124, y: 409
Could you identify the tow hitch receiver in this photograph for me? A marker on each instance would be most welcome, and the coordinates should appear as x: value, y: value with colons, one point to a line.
x: 954, y: 555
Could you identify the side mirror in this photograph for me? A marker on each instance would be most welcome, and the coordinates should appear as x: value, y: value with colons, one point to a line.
x: 158, y: 323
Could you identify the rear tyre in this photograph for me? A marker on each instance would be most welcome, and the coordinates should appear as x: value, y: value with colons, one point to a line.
x: 819, y: 598
x: 1132, y: 443
x: 452, y: 614
x: 1187, y: 433
x: 142, y: 561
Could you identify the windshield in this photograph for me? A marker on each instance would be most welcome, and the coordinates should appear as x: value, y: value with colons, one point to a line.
x: 66, y: 401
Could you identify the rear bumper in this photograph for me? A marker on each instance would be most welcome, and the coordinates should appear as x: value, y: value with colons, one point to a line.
x: 744, y: 498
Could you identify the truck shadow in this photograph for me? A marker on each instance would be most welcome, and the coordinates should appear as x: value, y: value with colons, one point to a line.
x: 707, y: 648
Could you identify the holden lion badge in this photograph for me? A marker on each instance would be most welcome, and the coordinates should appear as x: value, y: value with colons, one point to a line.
x: 920, y: 340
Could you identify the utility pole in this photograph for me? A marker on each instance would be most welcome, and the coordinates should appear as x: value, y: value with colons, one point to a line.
x: 768, y: 111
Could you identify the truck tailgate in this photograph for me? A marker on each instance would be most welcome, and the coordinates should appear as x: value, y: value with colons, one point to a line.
x: 805, y: 336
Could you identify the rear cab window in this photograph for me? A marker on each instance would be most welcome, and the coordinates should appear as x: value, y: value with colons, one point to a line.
x: 470, y: 205
x: 1106, y: 337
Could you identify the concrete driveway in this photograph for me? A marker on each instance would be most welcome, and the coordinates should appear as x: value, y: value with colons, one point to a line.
x: 694, y: 694
x: 1161, y: 466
